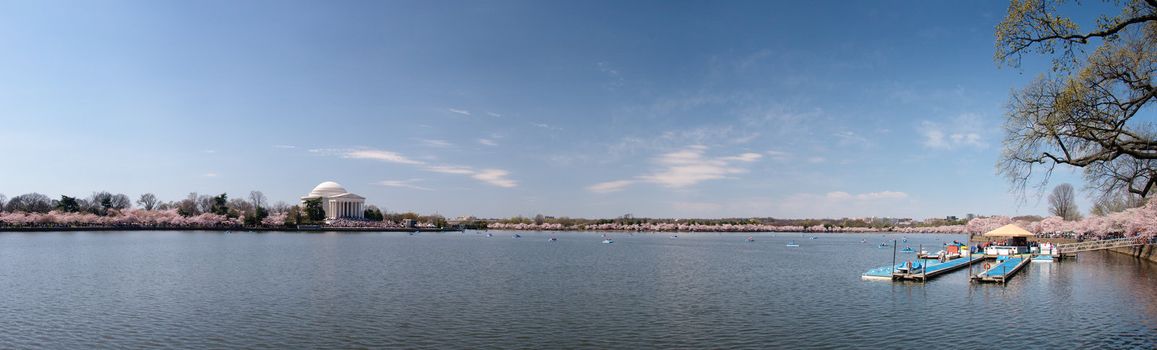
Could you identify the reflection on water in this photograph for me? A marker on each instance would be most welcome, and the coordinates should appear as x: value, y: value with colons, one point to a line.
x: 200, y: 289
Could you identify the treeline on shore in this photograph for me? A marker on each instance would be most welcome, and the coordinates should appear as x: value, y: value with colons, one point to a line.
x: 1129, y: 222
x: 104, y: 209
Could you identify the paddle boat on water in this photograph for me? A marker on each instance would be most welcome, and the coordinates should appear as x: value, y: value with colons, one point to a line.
x: 552, y: 239
x: 909, y: 267
x: 792, y: 244
x: 750, y: 239
x: 489, y: 235
x: 517, y: 235
x: 608, y: 241
x: 907, y: 249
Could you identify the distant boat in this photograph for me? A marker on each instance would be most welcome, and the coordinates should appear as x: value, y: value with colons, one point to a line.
x: 750, y: 239
x: 1042, y: 258
x: 608, y: 241
x: 792, y: 244
x: 517, y: 235
x: 814, y: 237
x: 907, y: 249
x: 863, y: 241
x: 489, y: 235
x: 552, y: 239
x: 885, y: 244
x: 674, y: 236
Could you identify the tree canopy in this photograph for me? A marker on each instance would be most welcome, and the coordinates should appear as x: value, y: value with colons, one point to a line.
x: 1083, y: 113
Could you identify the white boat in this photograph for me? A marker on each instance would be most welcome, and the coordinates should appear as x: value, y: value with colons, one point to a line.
x: 751, y: 239
x: 608, y: 241
x: 792, y: 244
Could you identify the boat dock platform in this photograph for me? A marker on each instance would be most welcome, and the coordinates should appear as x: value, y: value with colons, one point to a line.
x: 935, y: 268
x: 1003, y: 270
x: 879, y: 273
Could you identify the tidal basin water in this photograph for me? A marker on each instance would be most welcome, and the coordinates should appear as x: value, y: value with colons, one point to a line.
x: 81, y: 290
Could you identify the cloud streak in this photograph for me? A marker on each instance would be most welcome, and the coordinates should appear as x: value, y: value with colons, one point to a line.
x: 685, y: 168
x: 458, y: 111
x: 494, y: 177
x: 385, y: 156
x: 963, y: 131
x: 403, y: 184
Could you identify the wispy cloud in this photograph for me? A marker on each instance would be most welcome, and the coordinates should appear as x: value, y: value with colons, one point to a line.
x: 285, y: 146
x: 403, y: 184
x: 210, y: 174
x: 385, y: 156
x: 487, y: 142
x: 684, y: 168
x: 496, y: 177
x: 458, y: 111
x: 840, y: 195
x: 882, y: 203
x: 778, y: 155
x: 965, y: 130
x: 546, y: 126
x: 614, y: 77
x: 610, y: 186
x: 436, y: 143
x: 449, y: 169
x: 492, y: 114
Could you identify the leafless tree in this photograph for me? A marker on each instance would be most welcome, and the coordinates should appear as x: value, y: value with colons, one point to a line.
x: 1063, y: 202
x: 148, y: 201
x: 257, y: 198
x: 1083, y: 114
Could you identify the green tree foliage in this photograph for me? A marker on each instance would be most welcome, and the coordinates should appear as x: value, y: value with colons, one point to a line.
x: 220, y: 205
x: 293, y: 216
x: 1082, y: 113
x: 313, y: 210
x: 68, y: 204
x: 372, y: 213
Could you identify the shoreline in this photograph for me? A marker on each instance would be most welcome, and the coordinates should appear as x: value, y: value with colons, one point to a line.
x: 224, y: 229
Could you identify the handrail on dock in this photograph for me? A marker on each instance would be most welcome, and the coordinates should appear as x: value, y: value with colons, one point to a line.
x: 1069, y: 248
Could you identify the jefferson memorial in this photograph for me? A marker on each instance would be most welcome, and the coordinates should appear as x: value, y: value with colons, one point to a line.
x: 337, y: 202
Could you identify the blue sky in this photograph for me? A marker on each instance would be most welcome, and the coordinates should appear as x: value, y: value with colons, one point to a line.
x: 502, y: 108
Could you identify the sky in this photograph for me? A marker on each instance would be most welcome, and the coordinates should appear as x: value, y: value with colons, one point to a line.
x: 821, y: 109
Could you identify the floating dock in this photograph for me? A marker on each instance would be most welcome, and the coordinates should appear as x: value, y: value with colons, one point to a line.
x: 1002, y: 271
x: 935, y: 268
x: 879, y: 273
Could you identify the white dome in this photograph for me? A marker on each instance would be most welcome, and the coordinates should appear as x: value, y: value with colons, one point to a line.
x: 327, y: 189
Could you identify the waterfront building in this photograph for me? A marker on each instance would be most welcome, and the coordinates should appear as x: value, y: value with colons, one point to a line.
x: 337, y: 202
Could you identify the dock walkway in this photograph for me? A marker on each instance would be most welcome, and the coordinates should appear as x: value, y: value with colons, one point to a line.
x: 1002, y: 271
x: 936, y: 269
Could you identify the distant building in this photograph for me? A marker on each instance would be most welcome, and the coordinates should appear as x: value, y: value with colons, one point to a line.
x: 337, y: 202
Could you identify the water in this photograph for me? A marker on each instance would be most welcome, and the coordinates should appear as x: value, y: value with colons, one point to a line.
x: 464, y: 290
